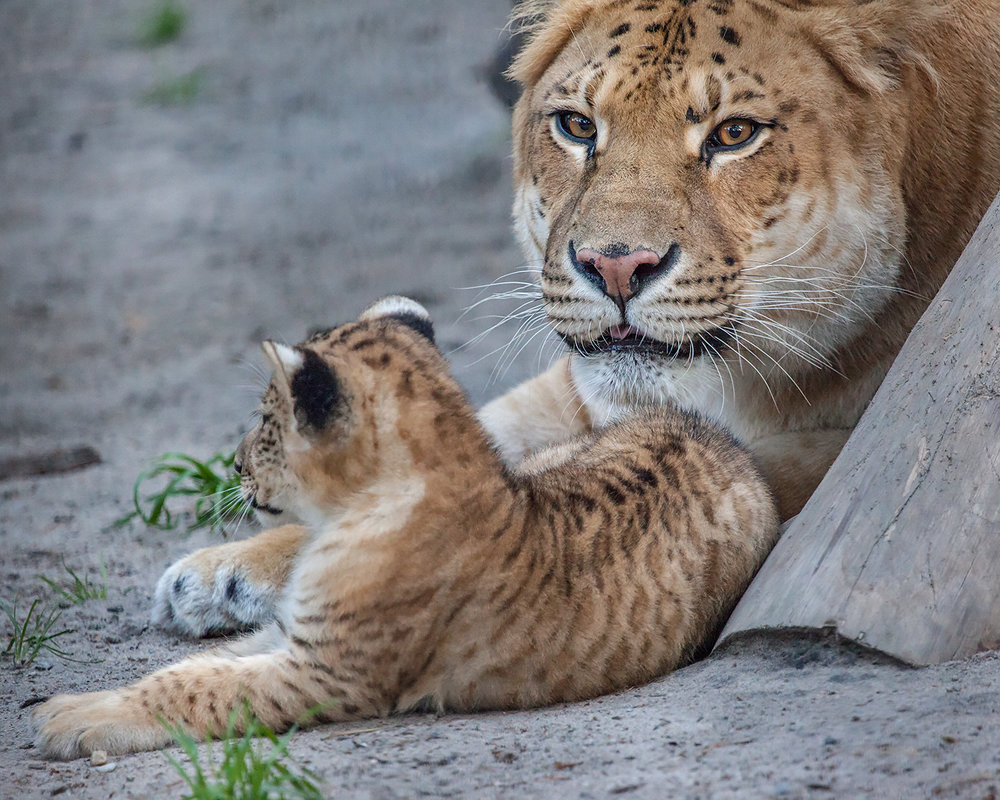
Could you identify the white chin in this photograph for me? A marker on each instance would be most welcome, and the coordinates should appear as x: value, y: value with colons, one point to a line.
x: 612, y: 384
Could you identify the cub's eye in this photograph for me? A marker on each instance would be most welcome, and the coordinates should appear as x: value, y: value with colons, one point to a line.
x: 731, y: 134
x: 576, y: 126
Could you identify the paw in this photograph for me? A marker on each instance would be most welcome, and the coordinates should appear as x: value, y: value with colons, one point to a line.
x: 212, y: 591
x: 74, y: 725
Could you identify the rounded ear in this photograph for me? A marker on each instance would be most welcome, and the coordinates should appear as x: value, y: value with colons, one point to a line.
x: 308, y: 380
x: 401, y: 309
x: 869, y: 42
x: 550, y: 26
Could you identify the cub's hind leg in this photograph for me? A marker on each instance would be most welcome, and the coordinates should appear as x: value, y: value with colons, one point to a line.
x: 200, y: 695
x: 228, y: 587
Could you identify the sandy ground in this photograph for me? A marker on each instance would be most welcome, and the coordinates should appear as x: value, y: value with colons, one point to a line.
x: 334, y: 152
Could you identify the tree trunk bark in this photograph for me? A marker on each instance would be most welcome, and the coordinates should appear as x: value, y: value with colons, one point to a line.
x: 899, y: 547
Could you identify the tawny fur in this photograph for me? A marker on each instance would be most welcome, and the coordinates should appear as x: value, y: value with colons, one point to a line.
x: 433, y: 575
x: 841, y: 225
x: 816, y: 246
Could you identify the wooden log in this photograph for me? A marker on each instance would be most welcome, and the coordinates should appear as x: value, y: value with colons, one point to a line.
x: 899, y: 547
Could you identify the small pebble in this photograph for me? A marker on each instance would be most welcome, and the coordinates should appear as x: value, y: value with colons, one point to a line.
x: 106, y: 767
x: 99, y: 758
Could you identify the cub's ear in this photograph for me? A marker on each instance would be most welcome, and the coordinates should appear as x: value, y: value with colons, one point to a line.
x: 315, y: 392
x: 401, y: 309
x: 284, y: 360
x: 312, y: 384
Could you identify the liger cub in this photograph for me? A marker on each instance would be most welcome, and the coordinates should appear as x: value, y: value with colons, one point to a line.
x: 738, y: 206
x: 434, y: 575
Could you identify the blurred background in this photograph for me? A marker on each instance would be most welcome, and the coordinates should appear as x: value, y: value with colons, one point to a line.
x: 180, y: 180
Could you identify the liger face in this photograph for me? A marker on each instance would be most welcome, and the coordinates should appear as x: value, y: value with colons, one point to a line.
x: 700, y: 184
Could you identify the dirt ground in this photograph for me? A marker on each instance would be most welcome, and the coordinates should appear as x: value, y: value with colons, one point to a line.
x: 275, y: 169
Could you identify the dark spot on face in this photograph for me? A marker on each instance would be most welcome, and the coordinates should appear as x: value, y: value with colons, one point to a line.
x: 729, y: 260
x: 614, y: 51
x: 718, y: 58
x: 729, y: 35
x: 620, y: 30
x: 713, y: 90
x: 179, y: 583
x: 692, y: 117
x: 232, y: 589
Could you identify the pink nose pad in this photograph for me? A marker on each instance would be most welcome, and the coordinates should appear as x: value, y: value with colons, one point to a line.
x: 620, y: 272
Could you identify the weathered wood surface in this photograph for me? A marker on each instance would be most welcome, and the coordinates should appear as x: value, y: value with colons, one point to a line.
x: 899, y: 547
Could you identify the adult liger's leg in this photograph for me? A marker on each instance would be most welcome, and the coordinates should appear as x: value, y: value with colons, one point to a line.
x: 542, y: 411
x: 228, y: 587
x: 794, y: 464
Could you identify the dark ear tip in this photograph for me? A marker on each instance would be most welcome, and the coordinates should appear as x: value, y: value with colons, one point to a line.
x: 404, y: 310
x: 421, y: 325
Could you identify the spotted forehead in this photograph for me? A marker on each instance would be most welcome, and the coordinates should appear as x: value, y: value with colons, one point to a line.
x: 677, y: 48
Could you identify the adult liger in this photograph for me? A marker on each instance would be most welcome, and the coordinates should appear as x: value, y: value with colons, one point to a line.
x: 742, y: 206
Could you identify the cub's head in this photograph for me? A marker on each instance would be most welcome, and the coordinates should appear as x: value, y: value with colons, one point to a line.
x: 343, y: 410
x: 712, y: 185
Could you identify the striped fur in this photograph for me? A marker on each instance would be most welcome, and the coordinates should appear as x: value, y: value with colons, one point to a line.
x: 801, y: 259
x: 433, y: 575
x: 841, y: 220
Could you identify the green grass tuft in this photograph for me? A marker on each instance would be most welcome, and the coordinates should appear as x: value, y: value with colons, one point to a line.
x: 251, y: 766
x: 212, y: 483
x: 34, y: 633
x: 79, y: 590
x: 164, y: 23
x: 179, y: 91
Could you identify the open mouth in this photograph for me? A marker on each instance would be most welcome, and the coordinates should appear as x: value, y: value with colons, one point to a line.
x: 628, y: 339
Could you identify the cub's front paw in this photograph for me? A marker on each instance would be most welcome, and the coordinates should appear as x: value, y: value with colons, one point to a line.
x: 74, y: 725
x: 211, y: 591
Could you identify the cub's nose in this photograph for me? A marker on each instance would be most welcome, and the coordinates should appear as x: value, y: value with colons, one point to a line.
x: 621, y: 274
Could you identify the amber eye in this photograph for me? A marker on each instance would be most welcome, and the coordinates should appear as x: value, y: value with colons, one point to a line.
x: 732, y: 133
x: 576, y: 126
